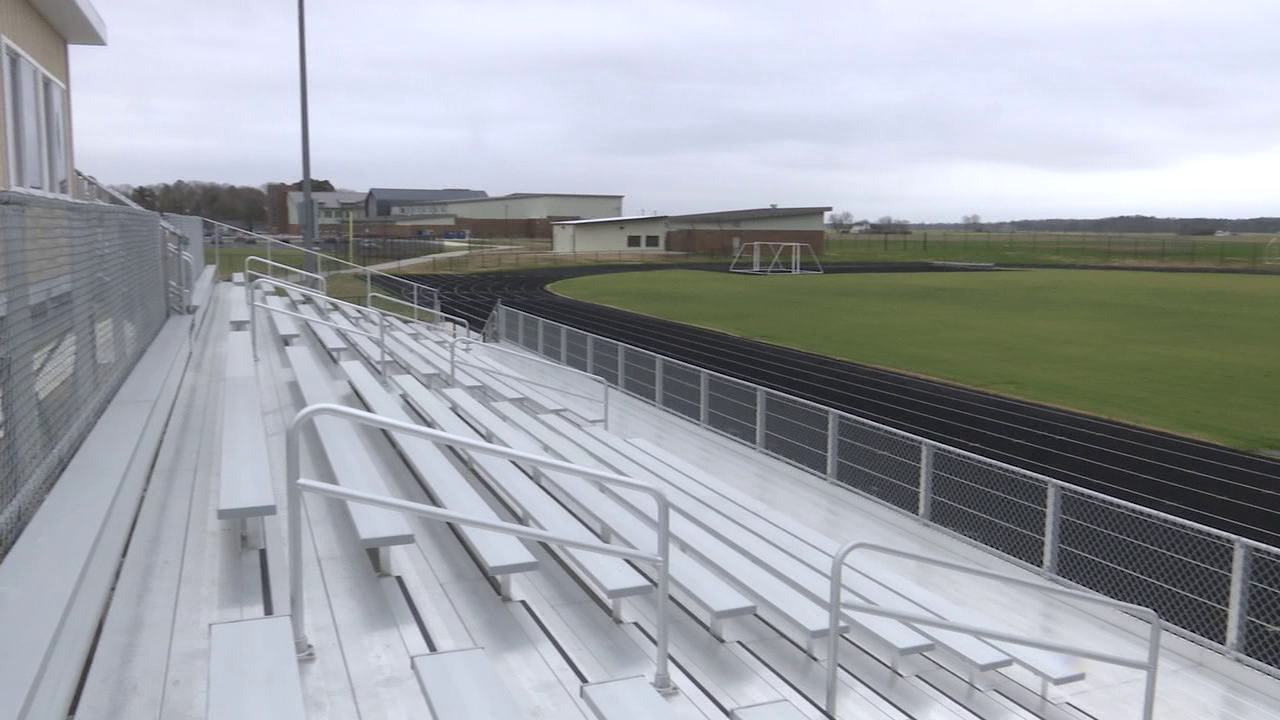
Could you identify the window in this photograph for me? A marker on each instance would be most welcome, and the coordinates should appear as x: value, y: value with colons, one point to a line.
x: 633, y: 241
x: 651, y: 241
x: 36, y: 104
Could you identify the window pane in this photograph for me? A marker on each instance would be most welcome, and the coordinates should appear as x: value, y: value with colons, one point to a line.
x: 633, y: 241
x: 56, y: 137
x: 651, y: 241
x: 27, y: 131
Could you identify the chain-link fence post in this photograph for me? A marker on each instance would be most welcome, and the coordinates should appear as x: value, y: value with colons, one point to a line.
x: 833, y: 445
x: 622, y: 366
x: 1237, y: 601
x: 657, y: 381
x: 1052, y: 527
x: 591, y: 354
x: 924, y: 507
x: 760, y: 418
x: 704, y: 397
x: 542, y: 339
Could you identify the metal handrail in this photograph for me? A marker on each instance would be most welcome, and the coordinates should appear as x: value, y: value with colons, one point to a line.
x: 296, y: 484
x: 838, y: 560
x: 369, y: 272
x: 323, y: 283
x: 454, y: 362
x: 466, y: 324
x: 381, y: 335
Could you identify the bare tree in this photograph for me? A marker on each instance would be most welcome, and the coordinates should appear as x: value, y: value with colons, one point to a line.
x: 842, y: 221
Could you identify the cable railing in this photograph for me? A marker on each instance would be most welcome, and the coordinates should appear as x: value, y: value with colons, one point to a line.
x: 380, y: 336
x: 837, y: 607
x: 425, y: 296
x: 296, y: 485
x: 466, y: 343
x: 453, y: 319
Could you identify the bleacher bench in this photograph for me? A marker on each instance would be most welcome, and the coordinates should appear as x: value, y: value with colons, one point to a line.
x: 327, y: 336
x: 244, y: 481
x: 239, y: 310
x: 631, y: 698
x: 253, y: 671
x: 376, y: 528
x: 872, y: 580
x: 286, y: 328
x: 237, y: 279
x: 773, y: 710
x: 706, y: 589
x: 464, y: 685
x: 614, y: 577
x: 500, y: 555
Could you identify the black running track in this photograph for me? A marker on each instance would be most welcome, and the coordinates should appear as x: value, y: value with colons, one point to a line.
x: 1217, y: 486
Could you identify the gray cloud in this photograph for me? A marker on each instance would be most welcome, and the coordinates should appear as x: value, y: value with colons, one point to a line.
x: 923, y: 109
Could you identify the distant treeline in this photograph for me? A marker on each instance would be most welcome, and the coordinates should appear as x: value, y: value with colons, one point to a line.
x: 233, y: 204
x: 1122, y: 224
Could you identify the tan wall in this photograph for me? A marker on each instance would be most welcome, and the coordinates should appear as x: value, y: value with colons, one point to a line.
x: 608, y: 237
x: 21, y: 25
x: 721, y: 241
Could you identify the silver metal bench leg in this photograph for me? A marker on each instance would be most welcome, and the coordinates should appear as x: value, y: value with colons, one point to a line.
x: 381, y: 559
x: 616, y: 609
x: 717, y: 629
x: 252, y: 533
x: 504, y: 587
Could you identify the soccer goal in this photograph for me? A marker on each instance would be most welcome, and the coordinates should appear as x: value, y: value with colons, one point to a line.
x: 1271, y: 253
x: 776, y: 258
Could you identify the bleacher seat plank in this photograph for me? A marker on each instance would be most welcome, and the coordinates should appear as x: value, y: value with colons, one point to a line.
x: 801, y: 610
x: 877, y: 583
x: 239, y: 310
x: 419, y: 348
x: 627, y: 699
x: 286, y: 328
x: 464, y: 685
x: 811, y: 581
x: 237, y: 279
x: 489, y: 382
x: 327, y: 336
x: 244, y: 481
x: 349, y: 459
x: 709, y: 590
x: 253, y: 671
x: 499, y: 554
x: 775, y: 710
x: 613, y: 576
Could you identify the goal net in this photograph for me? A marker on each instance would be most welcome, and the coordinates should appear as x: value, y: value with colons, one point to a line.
x: 1271, y: 253
x: 776, y: 258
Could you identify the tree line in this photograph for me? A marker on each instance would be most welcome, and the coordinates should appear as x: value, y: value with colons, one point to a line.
x: 239, y: 205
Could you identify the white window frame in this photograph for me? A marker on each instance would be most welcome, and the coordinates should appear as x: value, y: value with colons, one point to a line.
x: 7, y: 46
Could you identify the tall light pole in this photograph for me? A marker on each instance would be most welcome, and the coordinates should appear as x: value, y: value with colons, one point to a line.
x: 309, y: 210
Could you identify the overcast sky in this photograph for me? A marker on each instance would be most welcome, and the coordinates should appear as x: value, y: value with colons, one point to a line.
x: 924, y: 109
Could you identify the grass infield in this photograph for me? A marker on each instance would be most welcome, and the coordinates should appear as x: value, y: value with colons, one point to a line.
x: 1195, y: 354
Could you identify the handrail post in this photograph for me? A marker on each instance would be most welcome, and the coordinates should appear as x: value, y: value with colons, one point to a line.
x: 661, y: 674
x: 833, y: 623
x: 293, y: 500
x: 253, y: 322
x: 382, y: 345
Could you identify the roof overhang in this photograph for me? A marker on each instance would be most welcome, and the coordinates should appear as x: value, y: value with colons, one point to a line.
x: 75, y: 20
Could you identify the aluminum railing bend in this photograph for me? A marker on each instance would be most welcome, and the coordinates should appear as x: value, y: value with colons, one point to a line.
x: 296, y: 485
x: 380, y: 336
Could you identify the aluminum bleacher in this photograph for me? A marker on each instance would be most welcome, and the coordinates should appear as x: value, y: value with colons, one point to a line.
x: 469, y: 620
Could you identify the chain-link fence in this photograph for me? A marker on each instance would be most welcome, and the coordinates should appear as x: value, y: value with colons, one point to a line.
x: 1220, y: 588
x: 83, y: 290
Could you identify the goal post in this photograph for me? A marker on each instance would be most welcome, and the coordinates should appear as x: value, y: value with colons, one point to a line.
x: 776, y: 258
x: 1271, y: 253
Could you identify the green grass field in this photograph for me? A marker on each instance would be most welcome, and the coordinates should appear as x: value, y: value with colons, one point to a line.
x: 1133, y: 249
x: 1196, y: 354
